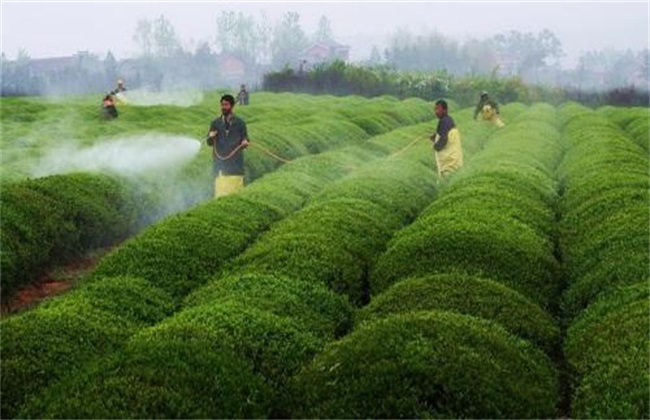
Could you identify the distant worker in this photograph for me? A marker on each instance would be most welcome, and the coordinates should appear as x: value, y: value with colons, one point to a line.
x: 242, y: 96
x: 118, y: 92
x: 119, y: 88
x: 228, y: 137
x: 489, y: 110
x: 446, y: 142
x: 109, y: 111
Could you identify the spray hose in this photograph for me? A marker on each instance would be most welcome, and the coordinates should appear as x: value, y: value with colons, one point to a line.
x: 216, y: 154
x: 266, y: 151
x: 403, y: 149
x: 230, y: 155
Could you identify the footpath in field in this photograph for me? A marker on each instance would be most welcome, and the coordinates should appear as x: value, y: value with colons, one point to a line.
x: 145, y: 280
x: 604, y: 244
x: 181, y: 265
x: 50, y: 221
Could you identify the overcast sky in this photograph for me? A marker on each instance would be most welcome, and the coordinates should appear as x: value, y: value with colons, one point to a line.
x: 52, y: 28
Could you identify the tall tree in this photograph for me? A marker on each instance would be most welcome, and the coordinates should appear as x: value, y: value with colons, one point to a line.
x: 375, y: 56
x: 143, y: 37
x: 324, y: 30
x: 110, y: 68
x: 527, y: 50
x: 22, y: 58
x: 265, y: 34
x: 156, y: 38
x: 165, y: 39
x: 644, y: 64
x: 226, y: 25
x: 240, y: 34
x: 289, y: 40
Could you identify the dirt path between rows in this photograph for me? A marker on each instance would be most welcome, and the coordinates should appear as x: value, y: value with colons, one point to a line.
x: 53, y: 282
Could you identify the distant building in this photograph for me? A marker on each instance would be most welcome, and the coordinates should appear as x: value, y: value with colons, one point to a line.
x: 325, y: 51
x: 231, y: 67
x: 83, y: 60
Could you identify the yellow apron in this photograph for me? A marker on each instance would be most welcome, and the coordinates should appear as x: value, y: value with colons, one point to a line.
x: 450, y: 158
x: 227, y: 184
x: 488, y: 114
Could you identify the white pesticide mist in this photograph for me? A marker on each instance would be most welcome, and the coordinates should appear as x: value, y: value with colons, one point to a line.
x: 128, y: 156
x: 143, y: 97
x: 154, y: 162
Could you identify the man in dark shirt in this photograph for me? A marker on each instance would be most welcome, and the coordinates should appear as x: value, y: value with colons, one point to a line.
x: 446, y: 142
x: 228, y: 137
x: 489, y: 110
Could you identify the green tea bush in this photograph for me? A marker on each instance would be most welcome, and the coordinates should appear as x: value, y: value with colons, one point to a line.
x: 301, y: 247
x: 322, y: 312
x: 607, y: 350
x: 55, y: 219
x: 41, y: 345
x: 471, y: 296
x: 427, y: 364
x: 604, y: 243
x: 238, y: 349
x: 184, y: 251
x: 158, y: 379
x: 494, y: 220
x: 603, y: 231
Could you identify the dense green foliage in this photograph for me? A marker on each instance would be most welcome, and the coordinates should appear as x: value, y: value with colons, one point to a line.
x: 471, y: 296
x: 59, y: 218
x: 350, y: 283
x: 339, y: 78
x: 604, y: 242
x: 183, y: 251
x: 494, y: 221
x: 607, y: 348
x: 51, y: 340
x: 51, y: 220
x: 423, y: 365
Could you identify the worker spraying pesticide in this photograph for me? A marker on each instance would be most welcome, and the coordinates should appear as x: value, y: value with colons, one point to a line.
x: 109, y: 111
x: 446, y: 142
x: 489, y: 110
x: 228, y: 138
x: 118, y: 92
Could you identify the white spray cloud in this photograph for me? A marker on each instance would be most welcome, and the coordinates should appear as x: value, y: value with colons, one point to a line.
x: 143, y: 97
x: 131, y: 156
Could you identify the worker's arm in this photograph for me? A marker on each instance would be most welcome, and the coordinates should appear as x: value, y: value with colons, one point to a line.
x: 244, y: 135
x: 212, y: 134
x: 443, y: 134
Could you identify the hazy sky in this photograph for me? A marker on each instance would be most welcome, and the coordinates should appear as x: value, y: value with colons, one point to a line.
x: 52, y: 28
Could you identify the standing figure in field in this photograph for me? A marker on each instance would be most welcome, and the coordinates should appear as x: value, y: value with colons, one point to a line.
x: 446, y: 142
x: 118, y: 92
x: 228, y: 137
x: 119, y: 88
x: 109, y: 111
x: 242, y: 96
x: 489, y: 110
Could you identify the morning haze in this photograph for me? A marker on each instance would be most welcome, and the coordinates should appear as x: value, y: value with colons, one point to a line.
x: 585, y: 45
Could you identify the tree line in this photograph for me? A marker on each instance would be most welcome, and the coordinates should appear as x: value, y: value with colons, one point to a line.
x: 263, y: 46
